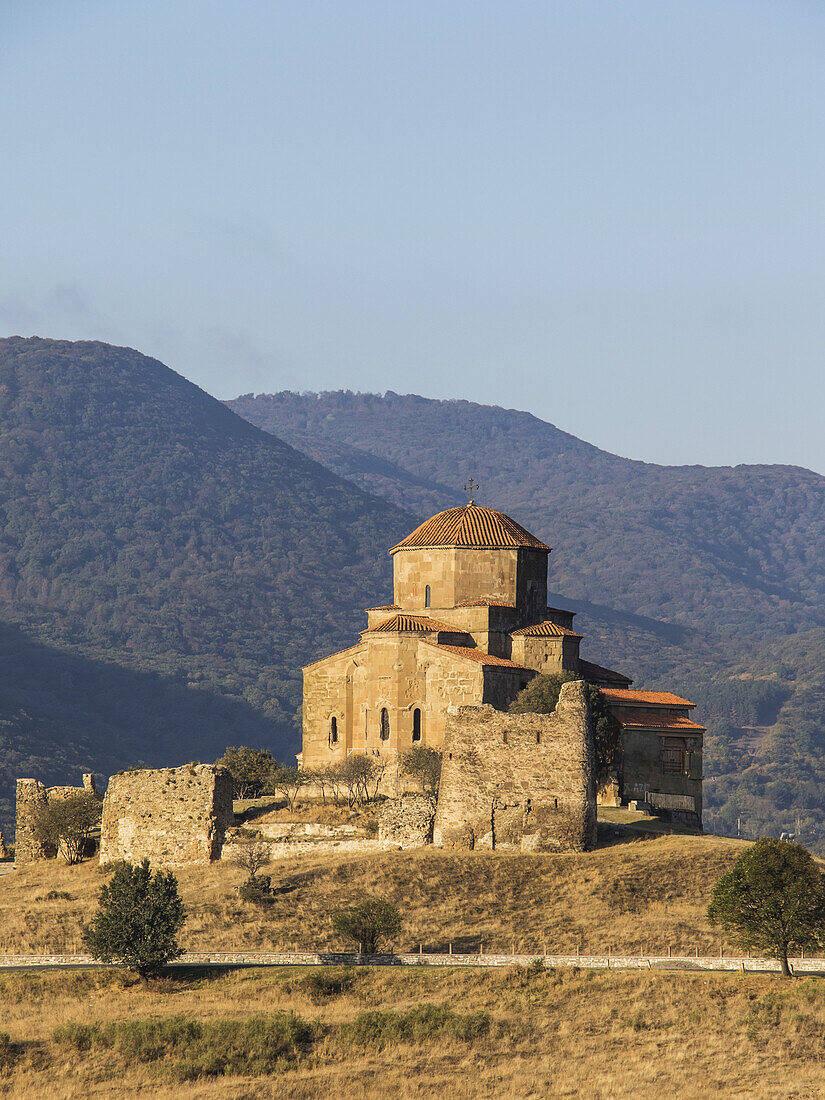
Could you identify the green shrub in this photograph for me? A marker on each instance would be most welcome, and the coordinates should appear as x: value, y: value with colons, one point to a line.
x: 368, y: 924
x: 326, y: 985
x: 251, y: 1047
x: 257, y: 889
x: 380, y: 1028
x: 58, y: 895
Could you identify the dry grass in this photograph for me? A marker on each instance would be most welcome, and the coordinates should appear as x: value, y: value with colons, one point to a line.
x: 640, y: 896
x: 262, y: 811
x: 580, y: 1034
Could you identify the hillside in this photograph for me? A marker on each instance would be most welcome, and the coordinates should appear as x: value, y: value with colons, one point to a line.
x: 474, y: 1032
x: 165, y: 567
x: 709, y: 581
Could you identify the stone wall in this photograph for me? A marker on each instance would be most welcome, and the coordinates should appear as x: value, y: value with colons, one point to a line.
x: 519, y: 781
x: 406, y: 822
x: 170, y: 816
x: 32, y: 795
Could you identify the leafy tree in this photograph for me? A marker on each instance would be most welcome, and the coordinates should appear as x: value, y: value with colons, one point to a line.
x: 361, y: 776
x: 369, y: 923
x: 138, y: 920
x: 541, y: 696
x: 772, y: 899
x: 67, y: 824
x: 424, y: 764
x: 252, y: 770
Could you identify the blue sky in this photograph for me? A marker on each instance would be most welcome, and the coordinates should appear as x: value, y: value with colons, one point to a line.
x: 610, y: 214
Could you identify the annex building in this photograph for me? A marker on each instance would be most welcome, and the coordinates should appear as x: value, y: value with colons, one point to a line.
x: 469, y: 624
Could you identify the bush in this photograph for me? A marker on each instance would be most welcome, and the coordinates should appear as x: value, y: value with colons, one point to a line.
x: 369, y: 923
x: 424, y: 764
x: 248, y: 1047
x: 257, y: 890
x: 385, y: 1028
x: 9, y: 1052
x: 138, y: 921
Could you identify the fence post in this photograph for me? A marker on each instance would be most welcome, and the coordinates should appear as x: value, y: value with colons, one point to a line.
x: 451, y: 947
x: 481, y: 948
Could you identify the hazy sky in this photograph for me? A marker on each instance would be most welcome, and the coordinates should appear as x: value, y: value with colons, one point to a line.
x: 609, y: 213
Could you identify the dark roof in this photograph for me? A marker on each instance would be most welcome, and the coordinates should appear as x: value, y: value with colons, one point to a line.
x: 632, y: 718
x: 471, y: 526
x: 591, y: 671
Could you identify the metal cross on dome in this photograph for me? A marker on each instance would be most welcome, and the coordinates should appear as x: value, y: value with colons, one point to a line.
x: 471, y: 487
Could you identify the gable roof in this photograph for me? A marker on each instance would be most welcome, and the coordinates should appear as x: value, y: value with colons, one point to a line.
x: 470, y: 526
x: 547, y: 629
x: 420, y: 623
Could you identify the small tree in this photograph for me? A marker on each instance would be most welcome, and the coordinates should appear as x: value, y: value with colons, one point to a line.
x: 355, y: 774
x: 424, y: 764
x: 252, y: 770
x: 288, y: 781
x: 139, y: 917
x: 369, y: 923
x: 772, y: 899
x: 541, y: 696
x: 66, y: 824
x: 252, y: 856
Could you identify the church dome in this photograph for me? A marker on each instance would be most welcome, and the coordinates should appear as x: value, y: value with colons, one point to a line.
x: 470, y: 526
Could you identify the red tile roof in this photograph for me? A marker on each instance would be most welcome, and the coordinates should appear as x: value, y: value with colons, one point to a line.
x: 631, y: 718
x: 547, y: 629
x: 651, y: 698
x: 591, y: 671
x: 473, y: 526
x: 419, y: 623
x: 479, y: 656
x: 385, y: 607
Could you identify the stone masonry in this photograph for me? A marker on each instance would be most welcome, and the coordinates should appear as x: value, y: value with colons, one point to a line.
x: 406, y: 822
x: 170, y: 816
x: 519, y: 781
x: 3, y: 851
x: 32, y: 795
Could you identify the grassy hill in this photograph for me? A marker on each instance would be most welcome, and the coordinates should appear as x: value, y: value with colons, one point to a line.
x: 407, y: 1032
x: 165, y: 567
x: 707, y: 581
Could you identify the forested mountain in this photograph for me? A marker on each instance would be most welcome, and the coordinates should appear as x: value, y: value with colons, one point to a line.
x: 709, y: 580
x: 165, y: 567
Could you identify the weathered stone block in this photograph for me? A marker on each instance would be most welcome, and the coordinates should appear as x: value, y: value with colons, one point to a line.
x: 170, y: 816
x: 519, y: 781
x: 407, y: 822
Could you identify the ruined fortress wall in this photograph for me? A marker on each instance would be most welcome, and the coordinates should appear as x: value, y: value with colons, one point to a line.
x: 406, y: 822
x: 170, y: 816
x: 519, y: 781
x: 32, y: 795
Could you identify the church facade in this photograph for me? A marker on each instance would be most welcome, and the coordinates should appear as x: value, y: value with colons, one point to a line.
x: 469, y: 624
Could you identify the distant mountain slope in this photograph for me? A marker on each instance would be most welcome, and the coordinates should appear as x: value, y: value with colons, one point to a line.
x: 708, y: 580
x: 728, y: 549
x: 143, y: 523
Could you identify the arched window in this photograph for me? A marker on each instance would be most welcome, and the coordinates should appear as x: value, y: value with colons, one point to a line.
x: 333, y: 731
x: 385, y: 724
x: 416, y: 724
x: 428, y: 596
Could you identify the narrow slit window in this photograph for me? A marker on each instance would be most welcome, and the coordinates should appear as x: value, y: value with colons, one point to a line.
x: 385, y: 724
x: 428, y: 596
x: 416, y: 725
x: 333, y: 731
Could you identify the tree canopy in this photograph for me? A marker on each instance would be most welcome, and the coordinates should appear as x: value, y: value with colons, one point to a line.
x: 772, y: 900
x: 138, y: 920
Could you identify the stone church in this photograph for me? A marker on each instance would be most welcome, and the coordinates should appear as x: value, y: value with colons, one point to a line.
x: 469, y: 624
